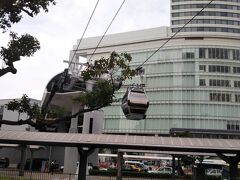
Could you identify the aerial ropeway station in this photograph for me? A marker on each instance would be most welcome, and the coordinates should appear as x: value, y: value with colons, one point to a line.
x: 64, y: 87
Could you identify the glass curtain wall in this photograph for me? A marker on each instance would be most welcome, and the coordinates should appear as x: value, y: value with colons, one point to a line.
x: 187, y: 87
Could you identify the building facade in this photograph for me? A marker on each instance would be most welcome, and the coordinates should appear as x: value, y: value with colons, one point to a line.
x: 193, y: 81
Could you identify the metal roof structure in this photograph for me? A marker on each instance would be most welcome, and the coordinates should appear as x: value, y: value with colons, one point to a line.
x: 122, y: 142
x: 167, y: 152
x: 17, y: 146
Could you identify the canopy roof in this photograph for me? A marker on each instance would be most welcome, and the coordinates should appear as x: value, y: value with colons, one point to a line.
x: 122, y: 142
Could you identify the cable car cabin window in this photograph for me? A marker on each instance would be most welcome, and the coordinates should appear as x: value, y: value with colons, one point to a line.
x: 138, y: 111
x: 125, y: 109
x: 137, y: 91
x: 137, y: 98
x: 124, y: 99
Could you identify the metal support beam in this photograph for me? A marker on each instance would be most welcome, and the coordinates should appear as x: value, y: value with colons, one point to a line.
x: 83, y: 153
x: 233, y: 164
x: 173, y: 166
x: 22, y: 161
x: 119, y: 165
x: 31, y: 158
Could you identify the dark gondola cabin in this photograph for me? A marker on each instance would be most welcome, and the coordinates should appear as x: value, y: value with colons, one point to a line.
x: 135, y: 103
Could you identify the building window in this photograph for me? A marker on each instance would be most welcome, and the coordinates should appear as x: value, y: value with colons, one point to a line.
x: 202, y: 53
x: 219, y: 69
x: 202, y: 68
x: 236, y: 54
x: 237, y: 84
x: 219, y: 53
x: 237, y: 127
x: 206, y: 13
x: 236, y: 70
x: 1, y: 110
x: 233, y: 125
x: 203, y: 0
x: 206, y: 21
x: 220, y: 97
x: 202, y: 82
x: 188, y: 55
x: 219, y: 83
x: 193, y: 6
x: 1, y: 114
x: 237, y: 98
x: 228, y: 126
x: 207, y: 29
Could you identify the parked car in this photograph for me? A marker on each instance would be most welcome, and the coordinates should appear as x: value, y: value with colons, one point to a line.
x: 138, y: 164
x: 162, y: 170
x: 131, y: 167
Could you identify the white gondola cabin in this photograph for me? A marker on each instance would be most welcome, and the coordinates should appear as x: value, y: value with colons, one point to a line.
x: 135, y: 103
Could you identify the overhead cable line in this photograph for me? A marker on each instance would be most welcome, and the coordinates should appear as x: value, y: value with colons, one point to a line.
x: 75, y: 51
x: 198, y: 13
x: 106, y: 30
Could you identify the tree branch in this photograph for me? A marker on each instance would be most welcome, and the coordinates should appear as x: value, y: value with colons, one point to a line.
x: 8, y: 69
x: 19, y: 122
x: 30, y: 121
x: 48, y: 122
x: 27, y: 12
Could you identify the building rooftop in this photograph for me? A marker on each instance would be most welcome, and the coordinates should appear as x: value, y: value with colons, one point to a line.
x: 126, y: 37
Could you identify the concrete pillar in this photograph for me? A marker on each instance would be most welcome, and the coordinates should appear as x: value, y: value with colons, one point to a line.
x: 71, y: 153
x: 92, y: 124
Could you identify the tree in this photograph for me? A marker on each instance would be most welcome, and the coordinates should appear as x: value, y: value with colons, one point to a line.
x: 11, y: 11
x: 26, y: 45
x: 107, y: 73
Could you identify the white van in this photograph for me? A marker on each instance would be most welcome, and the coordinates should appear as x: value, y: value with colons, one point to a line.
x: 138, y: 164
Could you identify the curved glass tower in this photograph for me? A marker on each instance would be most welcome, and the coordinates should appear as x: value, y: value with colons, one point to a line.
x: 220, y: 16
x: 194, y: 81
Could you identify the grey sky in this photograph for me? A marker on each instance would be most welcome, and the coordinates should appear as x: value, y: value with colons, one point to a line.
x: 59, y: 29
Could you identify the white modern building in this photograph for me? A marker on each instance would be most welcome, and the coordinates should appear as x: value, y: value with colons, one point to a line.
x: 13, y: 152
x: 6, y: 114
x: 193, y: 81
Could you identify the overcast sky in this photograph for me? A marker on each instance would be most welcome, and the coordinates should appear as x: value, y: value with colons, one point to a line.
x: 59, y: 29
